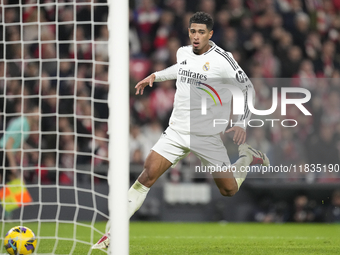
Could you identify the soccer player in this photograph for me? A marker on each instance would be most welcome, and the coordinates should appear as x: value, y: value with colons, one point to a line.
x: 201, y: 66
x: 13, y: 139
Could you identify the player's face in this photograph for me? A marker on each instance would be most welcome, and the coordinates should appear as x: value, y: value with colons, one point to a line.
x: 199, y: 37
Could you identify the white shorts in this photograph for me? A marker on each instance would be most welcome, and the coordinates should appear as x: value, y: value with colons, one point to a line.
x: 175, y: 146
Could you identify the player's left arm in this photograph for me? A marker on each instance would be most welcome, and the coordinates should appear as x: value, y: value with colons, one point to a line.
x: 238, y: 78
x: 241, y: 124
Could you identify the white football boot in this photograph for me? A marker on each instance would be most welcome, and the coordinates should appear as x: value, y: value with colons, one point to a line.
x: 255, y: 156
x: 103, y: 242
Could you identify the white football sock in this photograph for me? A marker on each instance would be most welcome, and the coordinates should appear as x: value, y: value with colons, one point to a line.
x: 241, y: 176
x: 136, y: 196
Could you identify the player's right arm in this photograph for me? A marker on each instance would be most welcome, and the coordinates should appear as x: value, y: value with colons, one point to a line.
x: 169, y: 73
x: 10, y: 154
x: 13, y: 133
x: 143, y: 83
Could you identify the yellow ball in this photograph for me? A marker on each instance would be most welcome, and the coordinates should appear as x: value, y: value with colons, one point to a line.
x: 20, y: 240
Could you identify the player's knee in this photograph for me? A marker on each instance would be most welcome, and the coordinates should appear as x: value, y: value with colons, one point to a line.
x: 228, y: 191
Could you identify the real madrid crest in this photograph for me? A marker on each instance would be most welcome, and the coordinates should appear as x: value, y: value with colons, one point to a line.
x: 206, y: 66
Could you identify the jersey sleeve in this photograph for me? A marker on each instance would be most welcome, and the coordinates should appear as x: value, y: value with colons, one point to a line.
x: 234, y: 75
x: 169, y: 73
x: 242, y: 120
x: 16, y: 126
x: 14, y: 130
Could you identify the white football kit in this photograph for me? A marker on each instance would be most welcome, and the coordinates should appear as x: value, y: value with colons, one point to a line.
x: 202, y: 84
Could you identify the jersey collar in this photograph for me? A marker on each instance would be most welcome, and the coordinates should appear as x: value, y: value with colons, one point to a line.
x: 213, y: 46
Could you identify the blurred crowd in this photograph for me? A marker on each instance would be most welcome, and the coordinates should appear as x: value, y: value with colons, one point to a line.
x: 56, y: 57
x: 301, y: 209
x: 63, y: 68
x: 289, y: 43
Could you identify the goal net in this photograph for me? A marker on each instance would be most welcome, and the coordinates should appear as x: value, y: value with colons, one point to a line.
x: 54, y: 90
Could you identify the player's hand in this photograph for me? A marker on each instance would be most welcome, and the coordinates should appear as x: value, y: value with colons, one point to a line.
x: 239, y: 136
x: 143, y: 83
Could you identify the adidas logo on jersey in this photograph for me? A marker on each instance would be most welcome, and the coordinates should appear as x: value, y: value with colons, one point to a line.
x: 184, y: 62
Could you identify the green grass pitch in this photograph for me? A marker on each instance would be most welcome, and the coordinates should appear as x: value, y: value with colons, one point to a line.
x: 202, y: 238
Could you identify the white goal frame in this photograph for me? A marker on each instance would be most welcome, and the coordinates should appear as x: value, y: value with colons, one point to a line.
x: 119, y: 125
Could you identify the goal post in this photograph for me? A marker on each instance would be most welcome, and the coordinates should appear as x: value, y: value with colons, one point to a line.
x: 119, y: 125
x: 70, y: 60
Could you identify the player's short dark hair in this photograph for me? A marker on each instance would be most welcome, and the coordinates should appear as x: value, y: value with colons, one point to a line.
x: 202, y: 18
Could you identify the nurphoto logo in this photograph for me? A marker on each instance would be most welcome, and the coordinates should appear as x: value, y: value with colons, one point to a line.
x: 240, y: 108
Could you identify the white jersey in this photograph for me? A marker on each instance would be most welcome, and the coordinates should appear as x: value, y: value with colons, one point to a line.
x: 203, y: 78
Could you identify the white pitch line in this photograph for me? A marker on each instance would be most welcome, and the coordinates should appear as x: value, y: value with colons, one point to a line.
x: 229, y: 237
